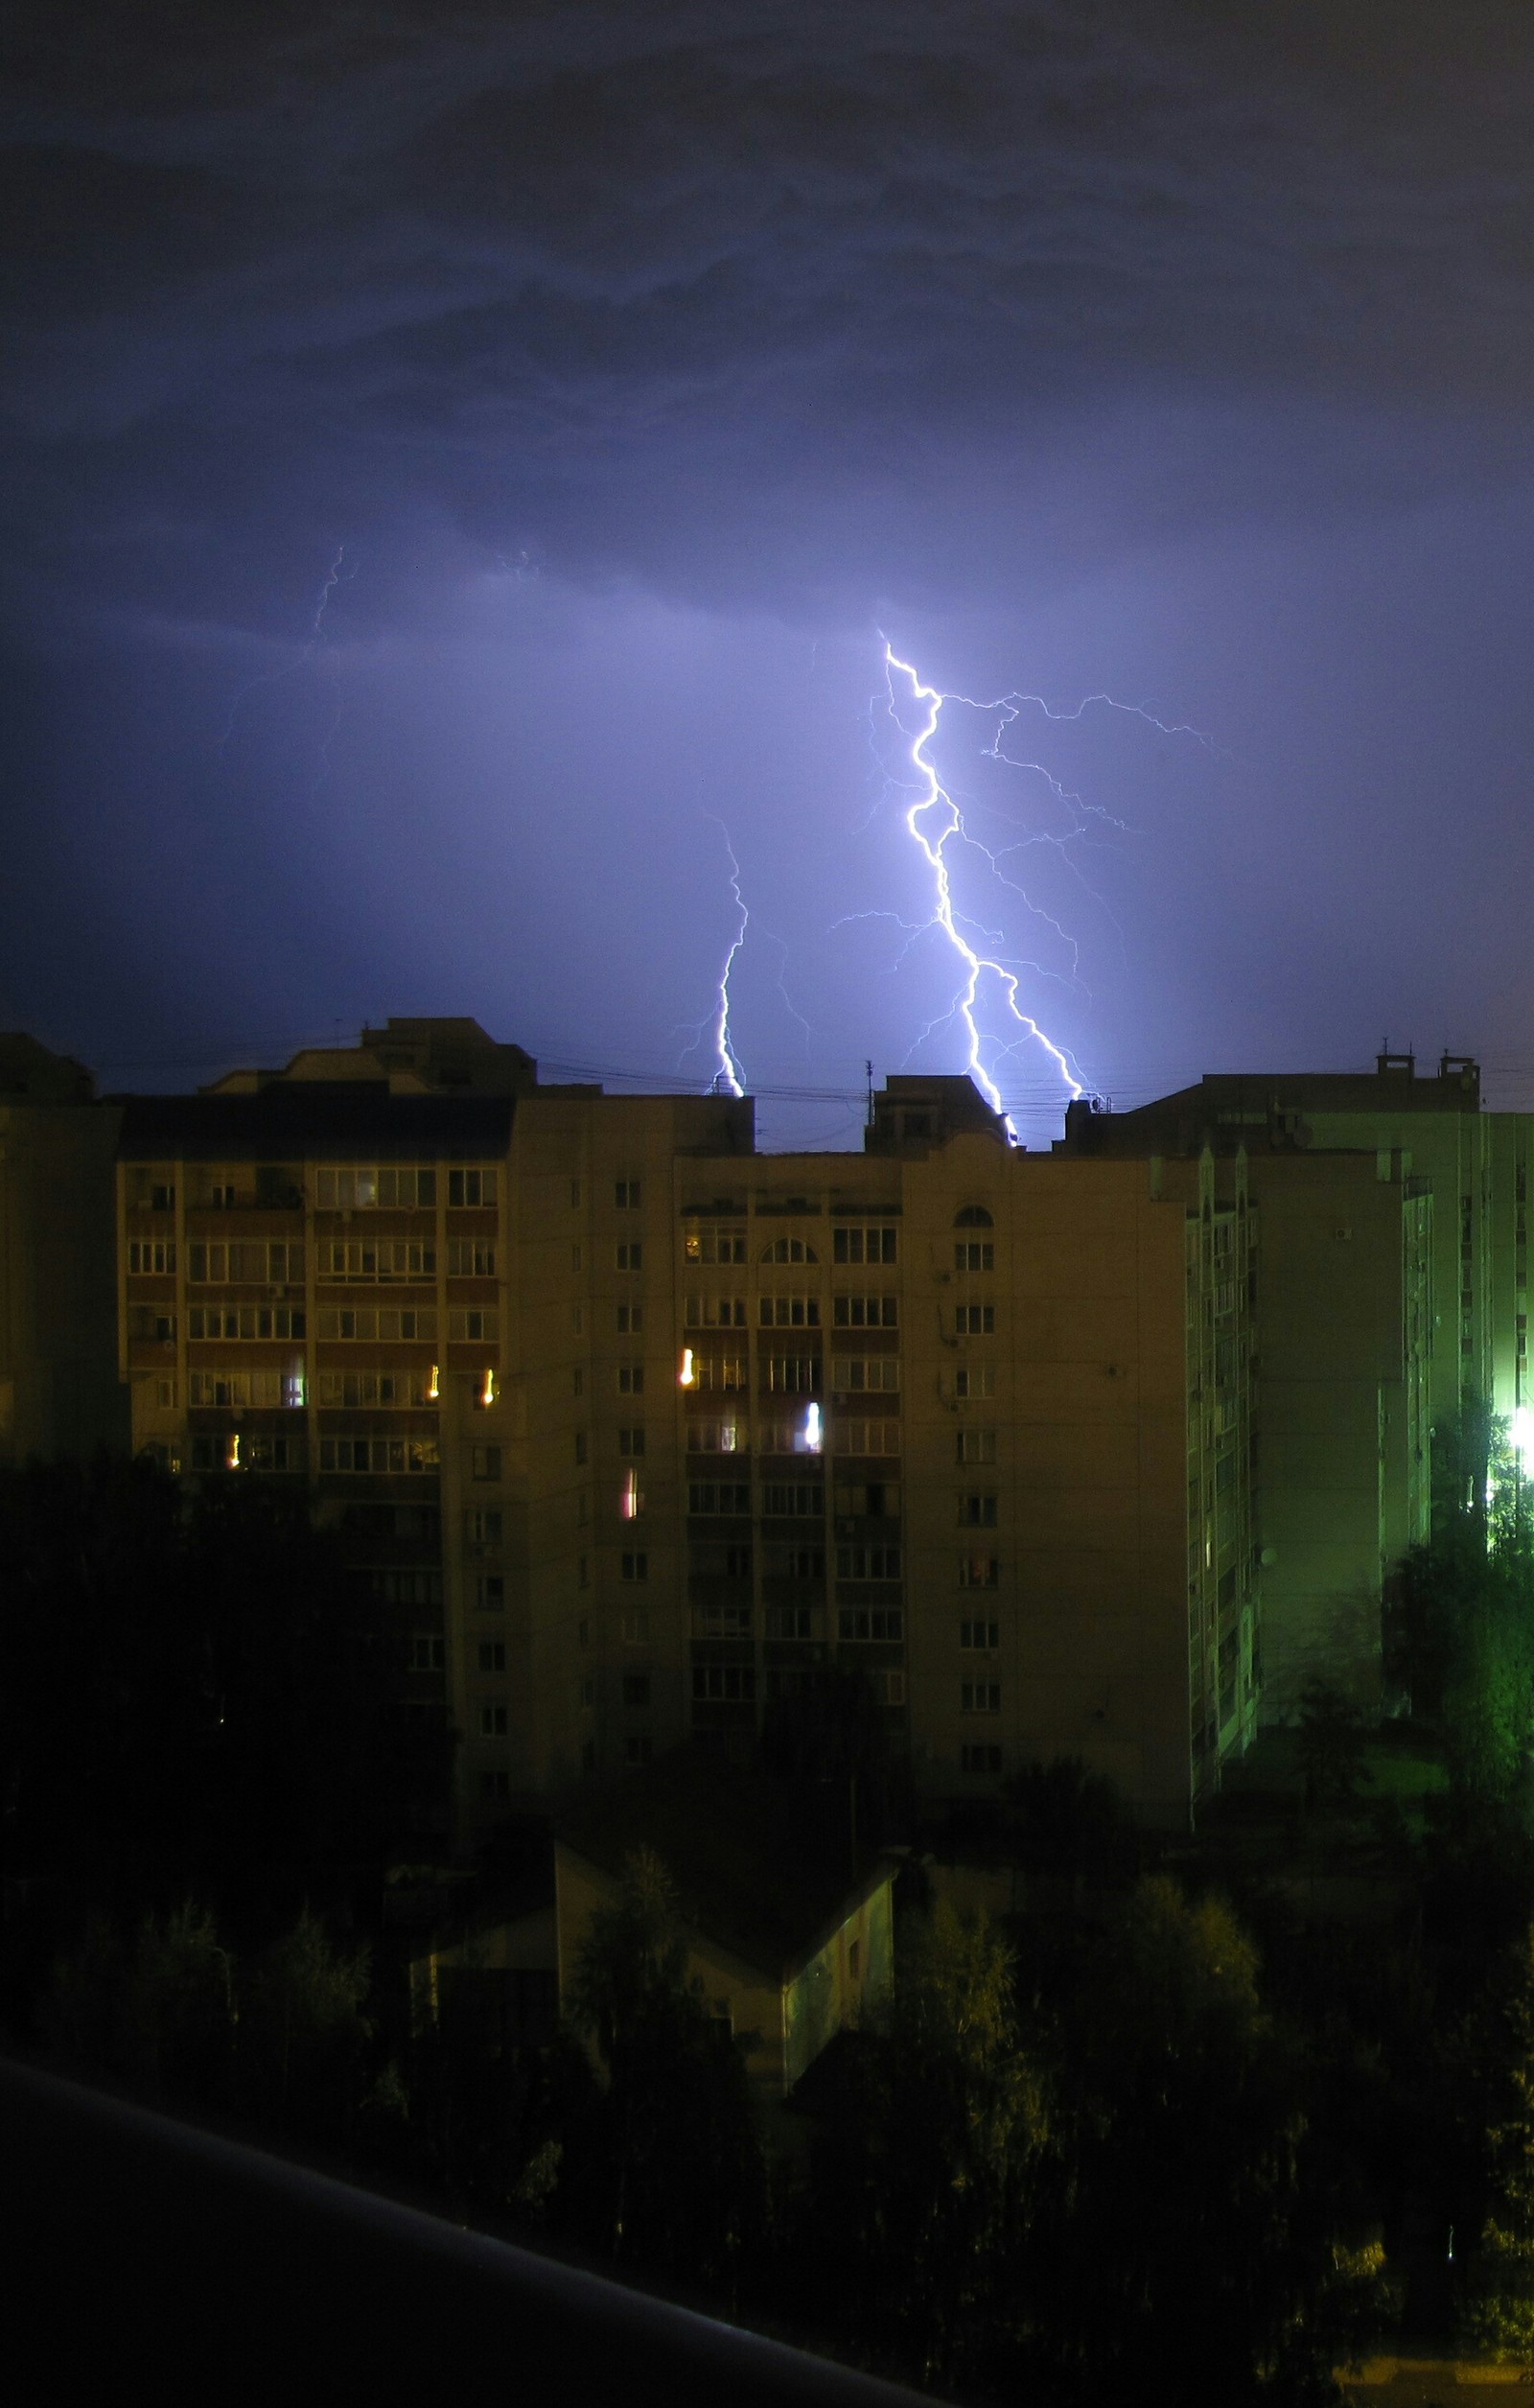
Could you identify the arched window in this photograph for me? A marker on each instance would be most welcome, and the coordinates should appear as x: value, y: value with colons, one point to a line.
x: 973, y: 1217
x: 789, y: 1250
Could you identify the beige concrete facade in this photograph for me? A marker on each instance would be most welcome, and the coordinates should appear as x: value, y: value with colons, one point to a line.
x: 641, y: 1434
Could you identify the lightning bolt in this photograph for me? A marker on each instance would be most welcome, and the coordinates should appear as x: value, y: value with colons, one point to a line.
x: 333, y: 577
x: 729, y: 1075
x: 934, y: 821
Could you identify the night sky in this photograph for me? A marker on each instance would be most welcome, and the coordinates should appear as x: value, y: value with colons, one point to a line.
x: 462, y: 466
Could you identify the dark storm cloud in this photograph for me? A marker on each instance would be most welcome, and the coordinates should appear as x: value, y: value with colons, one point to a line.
x: 748, y: 299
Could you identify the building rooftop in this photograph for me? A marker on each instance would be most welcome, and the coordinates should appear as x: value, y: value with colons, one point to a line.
x: 766, y: 1867
x: 345, y: 1119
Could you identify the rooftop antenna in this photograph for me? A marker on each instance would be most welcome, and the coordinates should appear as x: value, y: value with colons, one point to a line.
x: 868, y: 1069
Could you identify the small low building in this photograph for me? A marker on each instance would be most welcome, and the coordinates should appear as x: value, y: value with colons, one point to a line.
x: 789, y: 1922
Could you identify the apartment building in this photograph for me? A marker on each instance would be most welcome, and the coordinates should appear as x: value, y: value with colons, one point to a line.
x: 641, y: 1434
x: 59, y: 1391
x: 1391, y: 1283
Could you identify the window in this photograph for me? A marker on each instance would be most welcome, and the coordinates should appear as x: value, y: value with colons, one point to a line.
x: 151, y: 1255
x: 714, y: 1245
x: 580, y: 1446
x: 975, y: 1379
x: 971, y: 1255
x: 977, y: 1512
x: 378, y: 1451
x: 979, y: 1572
x: 718, y: 1496
x: 890, y: 1689
x: 857, y: 1624
x: 636, y: 1627
x: 795, y: 1563
x: 476, y: 1324
x: 864, y: 1438
x: 631, y: 1379
x: 631, y: 1256
x: 576, y: 1258
x: 714, y: 1311
x: 879, y: 1499
x: 427, y: 1651
x: 788, y: 1250
x: 394, y: 1584
x: 853, y: 1373
x: 147, y: 1320
x: 574, y: 1195
x: 631, y: 1442
x: 626, y: 1195
x: 865, y: 1312
x: 634, y: 1564
x: 792, y: 1374
x: 726, y: 1683
x: 347, y: 1390
x: 975, y: 1446
x: 469, y: 1259
x: 477, y: 1187
x: 493, y: 1722
x: 360, y: 1258
x: 583, y: 1580
x: 357, y: 1187
x: 717, y: 1437
x: 490, y: 1593
x: 492, y: 1656
x: 638, y: 1750
x: 587, y: 1756
x: 974, y: 1320
x: 980, y: 1697
x: 485, y: 1462
x: 790, y: 1622
x: 973, y: 1217
x: 246, y: 1320
x: 630, y: 1319
x: 803, y: 1498
x: 367, y: 1324
x: 587, y: 1693
x: 162, y: 1195
x: 868, y: 1563
x: 636, y: 1688
x: 727, y: 1371
x: 983, y: 1635
x: 973, y: 1759
x: 481, y: 1526
x: 790, y: 1312
x: 495, y: 1787
x: 863, y: 1246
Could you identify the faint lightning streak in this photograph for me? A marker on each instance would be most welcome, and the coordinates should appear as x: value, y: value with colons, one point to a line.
x: 934, y: 820
x: 730, y: 1073
x: 290, y: 668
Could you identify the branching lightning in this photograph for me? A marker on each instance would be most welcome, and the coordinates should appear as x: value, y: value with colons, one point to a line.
x: 935, y: 823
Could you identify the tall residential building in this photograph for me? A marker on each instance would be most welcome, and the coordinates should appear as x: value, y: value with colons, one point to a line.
x: 59, y: 1391
x: 641, y: 1433
x: 1342, y: 1339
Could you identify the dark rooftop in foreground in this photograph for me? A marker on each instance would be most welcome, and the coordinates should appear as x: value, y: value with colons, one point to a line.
x: 764, y: 1866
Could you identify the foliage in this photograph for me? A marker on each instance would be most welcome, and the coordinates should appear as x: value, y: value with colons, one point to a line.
x: 669, y: 2168
x: 181, y: 2006
x: 304, y: 2035
x: 1500, y: 2307
x: 924, y: 2172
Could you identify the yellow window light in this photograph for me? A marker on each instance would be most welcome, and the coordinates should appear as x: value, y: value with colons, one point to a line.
x: 487, y: 1388
x: 686, y: 1376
